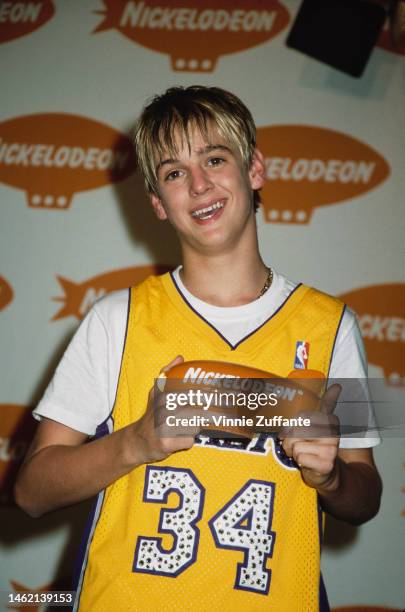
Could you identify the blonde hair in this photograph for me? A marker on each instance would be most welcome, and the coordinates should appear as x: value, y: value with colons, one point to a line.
x: 180, y: 109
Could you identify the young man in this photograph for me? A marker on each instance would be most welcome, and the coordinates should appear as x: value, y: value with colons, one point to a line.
x: 186, y: 522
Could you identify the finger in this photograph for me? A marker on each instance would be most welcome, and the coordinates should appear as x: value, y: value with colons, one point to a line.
x: 187, y: 420
x: 320, y: 431
x: 176, y: 361
x: 175, y: 430
x: 161, y: 380
x: 302, y: 431
x: 173, y: 444
x: 288, y: 445
x: 325, y: 452
x: 291, y: 444
x: 183, y: 443
x: 330, y: 399
x: 167, y: 401
x: 319, y: 465
x: 284, y: 433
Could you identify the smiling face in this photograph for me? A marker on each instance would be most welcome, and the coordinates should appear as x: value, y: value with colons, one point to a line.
x: 206, y: 192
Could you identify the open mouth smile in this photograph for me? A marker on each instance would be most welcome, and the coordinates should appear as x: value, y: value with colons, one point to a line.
x: 208, y: 212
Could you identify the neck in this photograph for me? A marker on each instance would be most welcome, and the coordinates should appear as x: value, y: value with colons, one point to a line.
x: 226, y: 279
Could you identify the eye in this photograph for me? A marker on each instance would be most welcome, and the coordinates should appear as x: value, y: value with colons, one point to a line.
x: 171, y: 176
x: 215, y: 161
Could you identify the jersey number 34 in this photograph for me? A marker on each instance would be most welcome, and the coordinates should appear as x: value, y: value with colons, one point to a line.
x: 241, y: 524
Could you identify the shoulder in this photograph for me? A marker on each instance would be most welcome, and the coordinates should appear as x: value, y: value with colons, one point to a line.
x: 349, y: 330
x: 152, y: 283
x: 283, y: 285
x: 349, y: 357
x: 104, y: 323
x: 150, y: 294
x: 349, y: 325
x: 111, y: 308
x: 107, y: 318
x: 326, y: 302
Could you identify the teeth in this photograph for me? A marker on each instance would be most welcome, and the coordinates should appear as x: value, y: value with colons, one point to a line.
x: 205, y: 212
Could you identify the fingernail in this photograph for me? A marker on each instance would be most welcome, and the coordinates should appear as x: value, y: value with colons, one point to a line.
x: 161, y: 382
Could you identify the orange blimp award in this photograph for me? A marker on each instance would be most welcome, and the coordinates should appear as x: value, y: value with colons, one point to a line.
x: 235, y: 399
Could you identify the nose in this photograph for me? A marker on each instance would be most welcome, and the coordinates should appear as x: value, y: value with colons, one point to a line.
x: 200, y: 181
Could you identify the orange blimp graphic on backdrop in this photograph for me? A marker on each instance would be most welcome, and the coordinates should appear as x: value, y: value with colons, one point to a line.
x: 16, y: 431
x: 380, y: 311
x: 6, y: 293
x: 308, y: 167
x: 195, y: 34
x: 78, y: 298
x: 22, y: 17
x: 53, y: 156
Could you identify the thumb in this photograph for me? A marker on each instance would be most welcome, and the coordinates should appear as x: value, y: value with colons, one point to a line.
x: 161, y: 380
x: 176, y: 361
x: 330, y: 399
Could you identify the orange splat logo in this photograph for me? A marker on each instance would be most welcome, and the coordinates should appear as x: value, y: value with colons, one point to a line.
x: 78, y: 298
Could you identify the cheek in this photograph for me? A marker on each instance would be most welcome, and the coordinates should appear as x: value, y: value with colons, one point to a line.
x: 233, y: 182
x: 245, y: 189
x: 173, y: 204
x: 173, y: 192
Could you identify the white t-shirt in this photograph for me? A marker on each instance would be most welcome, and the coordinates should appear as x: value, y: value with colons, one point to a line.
x: 82, y: 391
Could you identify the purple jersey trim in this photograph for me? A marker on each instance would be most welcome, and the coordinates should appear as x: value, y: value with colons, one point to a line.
x: 232, y: 346
x: 122, y: 357
x: 83, y: 553
x: 323, y: 597
x: 336, y: 335
x: 103, y: 429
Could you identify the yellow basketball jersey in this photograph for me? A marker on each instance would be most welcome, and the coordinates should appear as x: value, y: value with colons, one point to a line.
x: 228, y: 524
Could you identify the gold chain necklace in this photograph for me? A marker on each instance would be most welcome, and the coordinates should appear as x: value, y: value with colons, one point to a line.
x: 267, y: 283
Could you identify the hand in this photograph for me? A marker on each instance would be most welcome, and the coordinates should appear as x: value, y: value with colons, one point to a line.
x: 152, y: 445
x: 316, y: 455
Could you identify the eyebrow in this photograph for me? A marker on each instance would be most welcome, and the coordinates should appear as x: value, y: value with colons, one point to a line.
x: 203, y: 151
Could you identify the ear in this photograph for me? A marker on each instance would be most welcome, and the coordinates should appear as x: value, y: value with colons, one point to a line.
x: 257, y: 172
x: 158, y: 206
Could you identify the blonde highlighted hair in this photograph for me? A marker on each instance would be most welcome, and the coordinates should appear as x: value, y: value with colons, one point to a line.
x: 179, y: 110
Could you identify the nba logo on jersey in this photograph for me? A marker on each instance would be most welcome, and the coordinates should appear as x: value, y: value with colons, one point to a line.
x: 301, y: 355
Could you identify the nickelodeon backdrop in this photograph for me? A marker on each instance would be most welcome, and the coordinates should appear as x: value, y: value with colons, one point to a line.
x: 76, y: 224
